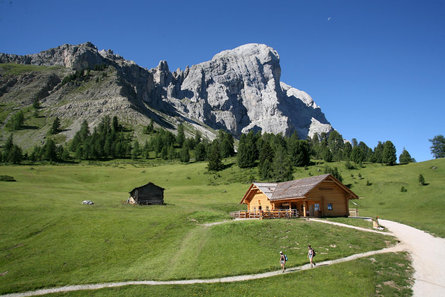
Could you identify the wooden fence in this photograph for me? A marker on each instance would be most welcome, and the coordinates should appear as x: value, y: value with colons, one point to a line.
x: 353, y: 212
x: 269, y: 214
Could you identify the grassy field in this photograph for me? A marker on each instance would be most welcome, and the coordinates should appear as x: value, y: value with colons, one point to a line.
x: 380, y: 275
x: 420, y: 207
x: 52, y: 240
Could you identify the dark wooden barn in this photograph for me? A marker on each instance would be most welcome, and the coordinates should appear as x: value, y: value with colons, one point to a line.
x: 147, y: 195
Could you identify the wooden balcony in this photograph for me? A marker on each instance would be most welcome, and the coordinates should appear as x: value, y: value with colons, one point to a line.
x: 270, y: 214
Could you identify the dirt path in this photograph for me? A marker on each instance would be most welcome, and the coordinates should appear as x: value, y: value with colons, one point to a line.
x: 429, y: 275
x: 228, y: 279
x: 428, y: 253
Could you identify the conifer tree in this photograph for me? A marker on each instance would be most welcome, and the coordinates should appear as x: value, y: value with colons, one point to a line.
x: 336, y: 145
x: 12, y: 153
x: 84, y: 131
x: 197, y: 138
x: 16, y: 122
x: 164, y: 153
x: 281, y: 166
x: 180, y: 137
x: 171, y: 153
x: 265, y: 169
x: 185, y: 154
x: 15, y: 155
x: 150, y: 127
x: 214, y: 157
x: 55, y: 128
x: 146, y: 150
x: 438, y: 146
x: 378, y: 153
x: 36, y: 103
x: 200, y: 152
x: 347, y: 150
x: 327, y: 155
x: 266, y: 153
x: 357, y: 155
x: 389, y: 153
x: 247, y: 151
x: 9, y: 143
x: 226, y: 141
x: 405, y: 157
x: 334, y: 172
x: 299, y: 153
x: 115, y: 125
x: 135, y: 151
x: 315, y: 146
x: 49, y: 151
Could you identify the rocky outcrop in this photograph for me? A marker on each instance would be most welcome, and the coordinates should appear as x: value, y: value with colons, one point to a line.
x: 76, y: 57
x: 238, y: 90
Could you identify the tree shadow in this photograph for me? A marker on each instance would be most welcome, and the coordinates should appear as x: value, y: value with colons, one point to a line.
x: 226, y: 166
x: 29, y: 127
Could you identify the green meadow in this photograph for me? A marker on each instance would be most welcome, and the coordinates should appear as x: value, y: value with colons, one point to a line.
x: 380, y: 275
x: 48, y: 238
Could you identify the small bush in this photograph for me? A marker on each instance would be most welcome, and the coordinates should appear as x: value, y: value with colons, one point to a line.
x: 349, y: 165
x: 421, y: 180
x: 7, y: 178
x: 403, y: 189
x: 368, y: 183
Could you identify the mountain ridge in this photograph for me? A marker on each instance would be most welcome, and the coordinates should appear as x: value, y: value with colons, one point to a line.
x: 238, y: 90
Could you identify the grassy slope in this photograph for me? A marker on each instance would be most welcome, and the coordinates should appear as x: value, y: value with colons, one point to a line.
x: 51, y: 239
x: 420, y: 206
x: 380, y: 275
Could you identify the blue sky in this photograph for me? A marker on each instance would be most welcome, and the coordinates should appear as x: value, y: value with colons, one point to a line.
x: 376, y: 68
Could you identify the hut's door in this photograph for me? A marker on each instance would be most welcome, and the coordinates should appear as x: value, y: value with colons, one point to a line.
x: 317, y: 212
x: 311, y: 210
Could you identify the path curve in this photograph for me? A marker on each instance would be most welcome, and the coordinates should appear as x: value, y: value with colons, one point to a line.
x: 428, y: 254
x: 412, y: 240
x: 228, y: 279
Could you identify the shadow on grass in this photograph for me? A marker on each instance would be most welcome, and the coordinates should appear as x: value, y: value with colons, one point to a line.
x: 28, y: 127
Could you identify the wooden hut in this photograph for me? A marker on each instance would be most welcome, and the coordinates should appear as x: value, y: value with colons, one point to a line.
x: 318, y: 196
x: 147, y: 195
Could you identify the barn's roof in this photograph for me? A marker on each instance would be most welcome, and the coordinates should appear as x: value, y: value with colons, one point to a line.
x: 295, y: 188
x: 148, y: 184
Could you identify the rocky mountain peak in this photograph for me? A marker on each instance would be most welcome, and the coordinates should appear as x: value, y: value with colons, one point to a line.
x: 261, y: 51
x: 238, y: 90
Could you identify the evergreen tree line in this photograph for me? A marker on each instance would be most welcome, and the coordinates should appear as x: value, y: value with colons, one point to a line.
x: 332, y: 147
x: 274, y: 155
x: 164, y: 144
x: 107, y: 141
x: 12, y: 153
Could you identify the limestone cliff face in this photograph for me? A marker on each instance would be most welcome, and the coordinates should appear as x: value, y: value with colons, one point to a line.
x: 238, y: 90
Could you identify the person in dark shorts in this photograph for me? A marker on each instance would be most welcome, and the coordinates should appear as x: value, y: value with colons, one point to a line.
x: 282, y: 261
x: 310, y: 255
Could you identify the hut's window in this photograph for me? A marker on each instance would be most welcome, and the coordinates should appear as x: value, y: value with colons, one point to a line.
x: 317, y: 206
x: 329, y: 206
x: 254, y: 209
x: 267, y: 208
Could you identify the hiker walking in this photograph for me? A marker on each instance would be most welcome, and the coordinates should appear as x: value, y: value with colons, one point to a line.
x: 283, y: 260
x: 311, y: 255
